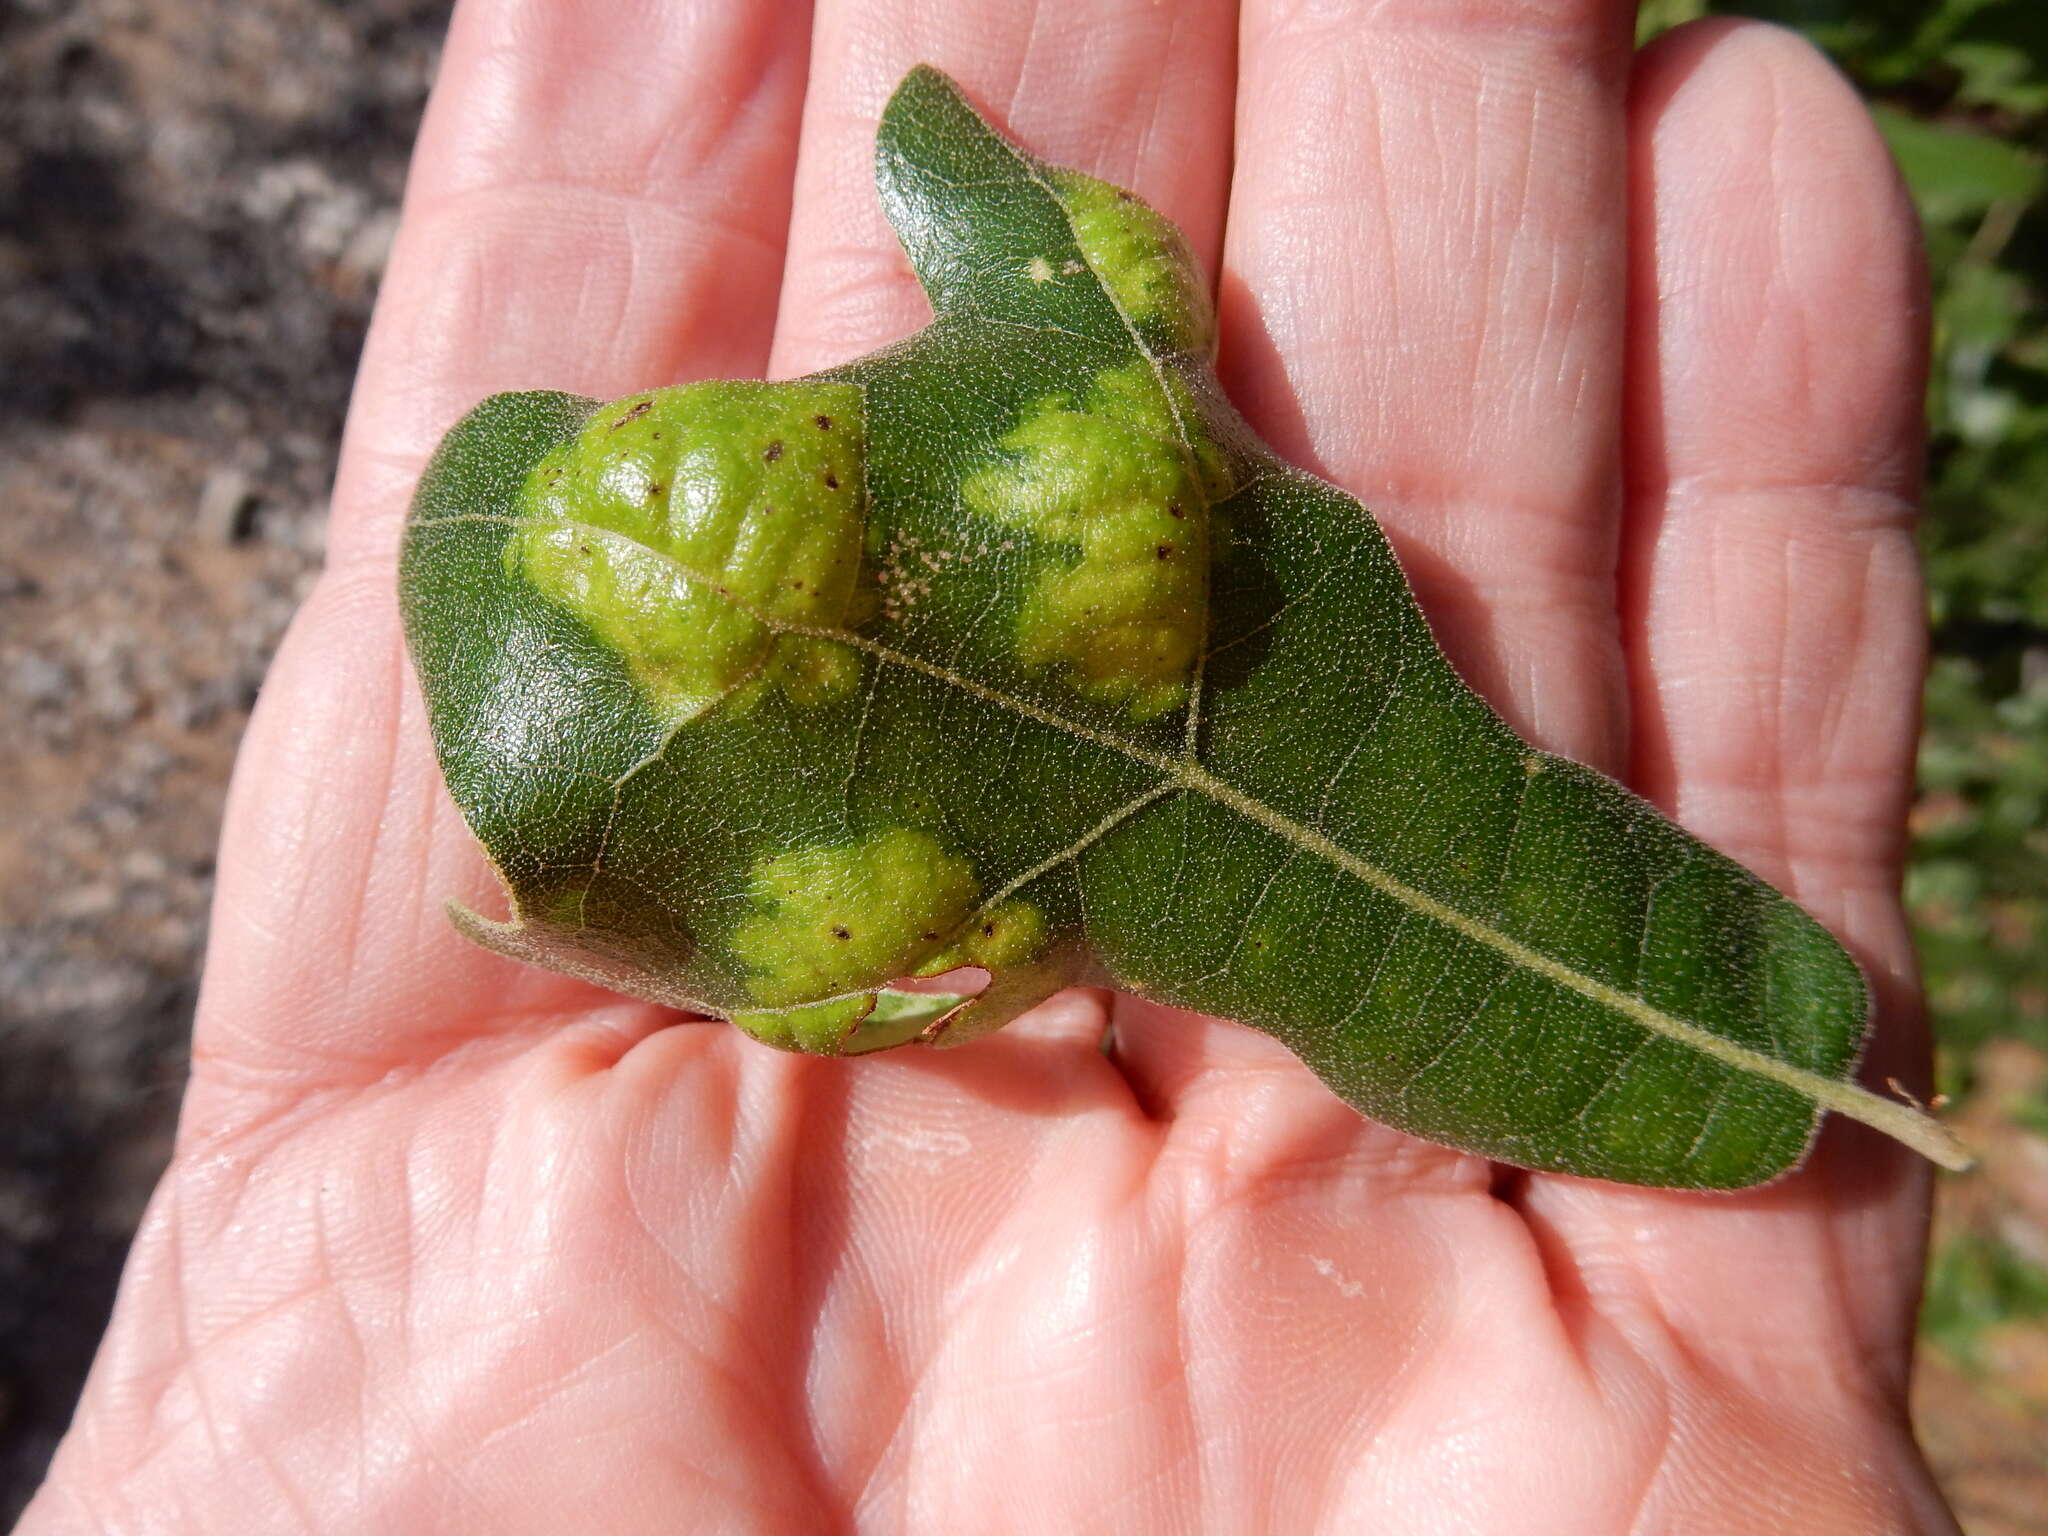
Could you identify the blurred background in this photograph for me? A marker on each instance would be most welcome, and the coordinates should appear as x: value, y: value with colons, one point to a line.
x: 196, y: 200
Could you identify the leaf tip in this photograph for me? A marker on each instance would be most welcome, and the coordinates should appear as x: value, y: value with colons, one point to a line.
x: 923, y: 82
x: 924, y: 98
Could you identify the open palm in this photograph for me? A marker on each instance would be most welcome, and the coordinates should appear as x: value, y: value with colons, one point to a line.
x: 1625, y: 354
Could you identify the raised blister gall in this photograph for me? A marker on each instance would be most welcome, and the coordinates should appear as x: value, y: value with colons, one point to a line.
x: 1010, y: 933
x: 834, y: 917
x: 1126, y: 475
x: 683, y: 524
x: 1144, y: 262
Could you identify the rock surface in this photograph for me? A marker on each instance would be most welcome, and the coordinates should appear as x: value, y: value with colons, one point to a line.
x: 195, y: 201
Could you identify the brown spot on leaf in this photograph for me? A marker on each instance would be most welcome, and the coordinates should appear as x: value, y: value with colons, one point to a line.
x: 640, y: 408
x: 1175, y: 511
x: 824, y: 423
x: 840, y: 933
x: 773, y: 451
x: 831, y: 481
x: 1164, y: 551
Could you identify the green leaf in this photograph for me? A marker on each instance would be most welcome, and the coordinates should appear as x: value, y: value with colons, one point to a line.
x: 1011, y: 648
x: 1953, y: 172
x: 1975, y: 1284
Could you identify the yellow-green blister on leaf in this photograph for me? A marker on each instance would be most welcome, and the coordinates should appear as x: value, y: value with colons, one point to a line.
x: 1127, y: 474
x: 684, y: 525
x: 837, y: 918
x: 1010, y: 933
x: 1143, y: 259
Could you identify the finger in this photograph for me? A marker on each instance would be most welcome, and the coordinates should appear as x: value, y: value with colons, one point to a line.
x: 1773, y: 622
x: 1130, y: 90
x: 1423, y: 297
x: 595, y: 204
x: 1772, y: 589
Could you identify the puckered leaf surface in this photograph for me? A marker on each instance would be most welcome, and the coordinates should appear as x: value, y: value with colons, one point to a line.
x: 1011, y: 648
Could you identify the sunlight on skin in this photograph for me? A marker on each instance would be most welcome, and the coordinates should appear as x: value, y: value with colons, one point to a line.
x: 452, y: 1245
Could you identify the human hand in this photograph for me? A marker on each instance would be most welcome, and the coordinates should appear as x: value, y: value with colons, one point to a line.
x: 452, y: 1245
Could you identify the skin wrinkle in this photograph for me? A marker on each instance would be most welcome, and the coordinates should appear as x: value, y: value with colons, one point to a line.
x: 632, y: 62
x: 909, y: 1427
x: 418, y: 872
x: 1768, y: 691
x: 189, y: 1381
x: 348, y: 941
x: 843, y: 280
x: 576, y: 204
x: 1824, y: 821
x: 1142, y: 155
x: 800, y: 1353
x: 1827, y: 724
x: 1853, y: 510
x: 1416, y: 1379
x: 1025, y: 55
x: 824, y: 1297
x: 1188, y: 1466
x: 147, y: 1385
x: 882, y: 1476
x: 697, y: 143
x: 306, y: 833
x: 739, y: 1400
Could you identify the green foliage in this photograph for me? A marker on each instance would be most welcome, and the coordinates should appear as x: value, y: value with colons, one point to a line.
x: 1974, y: 1284
x: 1979, y: 882
x: 1117, y: 693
